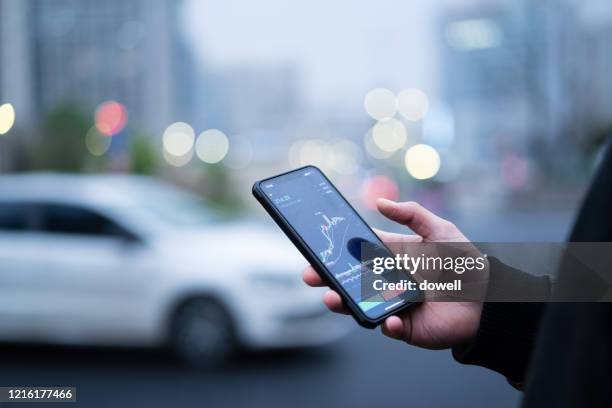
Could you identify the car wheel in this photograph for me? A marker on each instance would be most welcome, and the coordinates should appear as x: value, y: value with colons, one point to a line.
x: 202, y: 334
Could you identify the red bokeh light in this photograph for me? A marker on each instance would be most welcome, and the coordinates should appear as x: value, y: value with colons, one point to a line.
x: 378, y: 187
x: 111, y: 118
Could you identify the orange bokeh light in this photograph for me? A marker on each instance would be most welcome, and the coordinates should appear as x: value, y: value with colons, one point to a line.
x: 111, y: 118
x: 378, y: 187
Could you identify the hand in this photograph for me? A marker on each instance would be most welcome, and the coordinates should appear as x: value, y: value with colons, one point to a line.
x: 433, y: 325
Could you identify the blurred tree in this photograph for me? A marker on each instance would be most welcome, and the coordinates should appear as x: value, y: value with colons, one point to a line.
x: 14, y: 152
x: 217, y: 189
x: 143, y: 156
x: 61, y: 146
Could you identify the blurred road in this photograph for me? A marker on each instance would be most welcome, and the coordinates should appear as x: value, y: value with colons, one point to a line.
x: 365, y: 369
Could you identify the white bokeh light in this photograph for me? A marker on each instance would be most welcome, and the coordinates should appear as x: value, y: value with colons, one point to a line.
x: 177, y: 161
x: 316, y: 152
x: 379, y: 103
x: 389, y: 135
x: 178, y: 139
x: 373, y: 150
x: 7, y: 118
x: 422, y: 161
x: 212, y: 146
x: 413, y: 104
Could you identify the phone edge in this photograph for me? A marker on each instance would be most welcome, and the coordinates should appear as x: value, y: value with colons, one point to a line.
x: 361, y: 318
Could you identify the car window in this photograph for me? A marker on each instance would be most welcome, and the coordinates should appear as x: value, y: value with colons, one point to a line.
x: 15, y: 216
x: 68, y: 219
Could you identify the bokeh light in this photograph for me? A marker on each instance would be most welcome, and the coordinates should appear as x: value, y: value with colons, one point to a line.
x: 389, y: 135
x: 177, y: 161
x: 422, y: 161
x: 373, y: 150
x: 212, y: 146
x: 320, y: 153
x: 413, y: 104
x: 379, y: 103
x: 314, y: 152
x: 178, y: 139
x: 111, y: 118
x: 97, y: 144
x: 7, y: 118
x: 378, y: 187
x: 345, y: 157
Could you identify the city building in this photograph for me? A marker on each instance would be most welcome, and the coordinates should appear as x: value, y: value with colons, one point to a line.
x: 527, y: 75
x: 89, y: 52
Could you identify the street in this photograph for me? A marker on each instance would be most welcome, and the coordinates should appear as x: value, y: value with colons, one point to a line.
x: 364, y: 369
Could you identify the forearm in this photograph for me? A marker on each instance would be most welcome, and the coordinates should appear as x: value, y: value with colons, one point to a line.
x: 507, y: 331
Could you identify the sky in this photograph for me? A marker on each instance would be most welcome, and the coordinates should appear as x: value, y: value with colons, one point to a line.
x: 341, y: 48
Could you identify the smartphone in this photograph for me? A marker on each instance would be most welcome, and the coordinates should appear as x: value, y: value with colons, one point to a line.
x: 332, y: 236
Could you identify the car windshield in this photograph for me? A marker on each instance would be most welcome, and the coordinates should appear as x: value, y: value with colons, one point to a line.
x: 172, y: 206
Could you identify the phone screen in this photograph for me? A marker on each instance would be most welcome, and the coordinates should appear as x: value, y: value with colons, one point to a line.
x: 335, y: 233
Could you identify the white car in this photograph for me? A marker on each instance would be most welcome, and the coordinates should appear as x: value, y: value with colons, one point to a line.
x: 128, y: 260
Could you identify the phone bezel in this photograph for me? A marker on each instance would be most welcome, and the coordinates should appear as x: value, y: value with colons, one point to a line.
x: 360, y: 316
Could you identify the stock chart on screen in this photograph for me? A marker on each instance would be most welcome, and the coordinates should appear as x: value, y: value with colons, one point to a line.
x: 331, y: 229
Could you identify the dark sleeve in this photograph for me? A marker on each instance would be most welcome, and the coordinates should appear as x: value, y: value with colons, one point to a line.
x: 594, y: 223
x: 507, y: 331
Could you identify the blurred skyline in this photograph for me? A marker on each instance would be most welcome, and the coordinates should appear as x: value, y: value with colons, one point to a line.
x: 342, y: 49
x: 490, y: 90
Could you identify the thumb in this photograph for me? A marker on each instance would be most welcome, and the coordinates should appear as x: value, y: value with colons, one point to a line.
x: 411, y: 214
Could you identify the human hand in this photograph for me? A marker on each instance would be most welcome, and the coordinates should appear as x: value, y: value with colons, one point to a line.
x: 433, y: 325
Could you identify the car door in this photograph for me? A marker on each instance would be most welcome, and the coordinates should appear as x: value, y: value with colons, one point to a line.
x: 21, y: 278
x: 92, y: 276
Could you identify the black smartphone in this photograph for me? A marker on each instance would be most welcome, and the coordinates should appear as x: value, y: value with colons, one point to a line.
x: 335, y: 240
